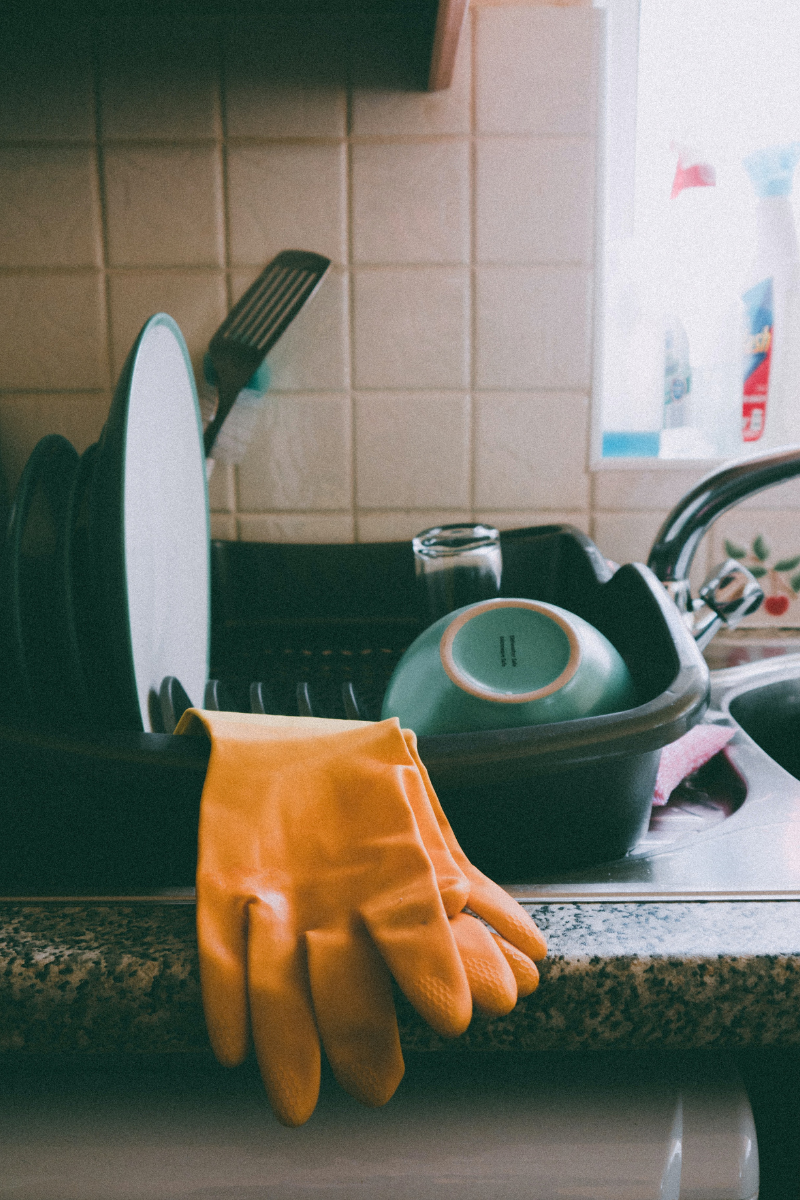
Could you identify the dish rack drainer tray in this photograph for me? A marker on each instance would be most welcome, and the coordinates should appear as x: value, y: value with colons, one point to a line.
x: 118, y: 812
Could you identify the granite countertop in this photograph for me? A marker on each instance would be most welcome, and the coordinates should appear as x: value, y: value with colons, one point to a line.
x: 118, y: 975
x: 123, y: 976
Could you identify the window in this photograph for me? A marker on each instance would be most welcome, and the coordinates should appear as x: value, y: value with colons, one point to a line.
x: 700, y: 278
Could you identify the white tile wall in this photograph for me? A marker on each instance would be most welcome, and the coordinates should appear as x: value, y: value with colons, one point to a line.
x: 525, y: 450
x: 443, y: 371
x: 257, y: 106
x: 411, y: 327
x: 533, y: 200
x: 284, y: 196
x: 54, y: 336
x: 49, y: 207
x: 412, y: 450
x: 533, y: 327
x: 411, y: 202
x: 300, y: 456
x: 163, y: 205
x: 196, y: 299
x: 400, y: 525
x: 296, y: 527
x: 626, y: 536
x: 537, y: 70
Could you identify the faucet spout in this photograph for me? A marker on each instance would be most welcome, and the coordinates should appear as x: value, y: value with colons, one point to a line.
x: 680, y: 535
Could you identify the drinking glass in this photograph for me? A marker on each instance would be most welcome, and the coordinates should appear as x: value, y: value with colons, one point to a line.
x: 456, y: 565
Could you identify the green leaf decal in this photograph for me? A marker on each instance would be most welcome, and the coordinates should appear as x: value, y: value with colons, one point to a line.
x: 760, y: 549
x: 788, y: 564
x: 795, y: 583
x: 758, y: 572
x: 734, y: 551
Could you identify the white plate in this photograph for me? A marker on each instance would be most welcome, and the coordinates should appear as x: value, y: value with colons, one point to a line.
x: 150, y: 529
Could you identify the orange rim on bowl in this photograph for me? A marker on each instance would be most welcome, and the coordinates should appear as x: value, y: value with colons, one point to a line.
x: 479, y: 666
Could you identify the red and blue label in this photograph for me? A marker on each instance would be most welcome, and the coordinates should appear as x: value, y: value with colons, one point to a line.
x: 757, y: 359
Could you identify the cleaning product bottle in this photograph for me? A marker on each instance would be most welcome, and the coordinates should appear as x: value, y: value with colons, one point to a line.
x: 690, y: 345
x: 771, y: 386
x: 677, y: 375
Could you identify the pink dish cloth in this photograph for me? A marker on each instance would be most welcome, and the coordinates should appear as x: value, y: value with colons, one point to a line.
x: 685, y: 755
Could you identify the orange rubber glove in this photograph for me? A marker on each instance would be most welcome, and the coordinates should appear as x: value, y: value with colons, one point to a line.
x: 517, y: 935
x: 316, y: 873
x: 499, y: 968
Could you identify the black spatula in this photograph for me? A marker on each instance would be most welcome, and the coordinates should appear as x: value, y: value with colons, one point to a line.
x: 255, y: 323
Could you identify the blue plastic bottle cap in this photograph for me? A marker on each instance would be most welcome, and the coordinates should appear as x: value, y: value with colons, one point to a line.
x: 631, y: 445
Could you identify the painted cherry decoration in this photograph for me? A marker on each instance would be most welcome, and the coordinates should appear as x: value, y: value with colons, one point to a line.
x: 776, y: 606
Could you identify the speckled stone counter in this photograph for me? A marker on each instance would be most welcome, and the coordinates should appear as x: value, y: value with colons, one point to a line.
x: 102, y: 977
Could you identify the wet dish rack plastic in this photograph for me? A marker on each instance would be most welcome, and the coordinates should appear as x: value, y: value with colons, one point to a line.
x: 117, y: 812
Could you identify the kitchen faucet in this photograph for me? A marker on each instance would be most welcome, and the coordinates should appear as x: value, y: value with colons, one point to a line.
x: 730, y: 592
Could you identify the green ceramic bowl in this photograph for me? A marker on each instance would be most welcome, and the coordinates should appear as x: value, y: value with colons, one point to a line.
x: 503, y: 663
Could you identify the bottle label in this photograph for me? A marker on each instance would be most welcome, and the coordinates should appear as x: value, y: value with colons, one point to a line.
x: 677, y: 376
x: 757, y: 359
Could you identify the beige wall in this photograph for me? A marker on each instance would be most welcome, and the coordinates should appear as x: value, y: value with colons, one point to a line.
x: 444, y: 369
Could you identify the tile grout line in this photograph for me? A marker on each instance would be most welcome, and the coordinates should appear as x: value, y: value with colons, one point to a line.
x: 231, y: 470
x: 597, y: 273
x: 349, y: 202
x: 226, y: 208
x: 53, y: 391
x: 104, y: 239
x: 473, y: 233
x: 234, y: 140
x: 125, y: 268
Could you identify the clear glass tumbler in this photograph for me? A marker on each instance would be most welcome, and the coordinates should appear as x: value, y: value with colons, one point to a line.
x: 456, y: 565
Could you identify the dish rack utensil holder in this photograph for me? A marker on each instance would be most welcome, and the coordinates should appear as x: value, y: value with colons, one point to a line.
x: 117, y: 813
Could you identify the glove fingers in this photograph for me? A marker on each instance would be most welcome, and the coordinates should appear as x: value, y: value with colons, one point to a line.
x: 523, y: 969
x: 486, y: 898
x: 491, y: 978
x: 451, y: 880
x: 413, y: 935
x: 221, y: 940
x: 505, y: 915
x: 284, y: 1032
x: 353, y: 1004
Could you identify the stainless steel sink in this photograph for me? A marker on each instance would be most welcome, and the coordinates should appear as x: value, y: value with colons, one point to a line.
x: 768, y: 709
x: 737, y: 835
x: 732, y: 834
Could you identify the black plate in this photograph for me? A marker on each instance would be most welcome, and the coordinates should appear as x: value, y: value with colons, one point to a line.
x: 84, y: 626
x: 41, y: 665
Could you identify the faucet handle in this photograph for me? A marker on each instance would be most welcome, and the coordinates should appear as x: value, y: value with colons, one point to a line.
x: 729, y: 594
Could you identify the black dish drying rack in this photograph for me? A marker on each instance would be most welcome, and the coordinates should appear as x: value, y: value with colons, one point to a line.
x: 321, y: 629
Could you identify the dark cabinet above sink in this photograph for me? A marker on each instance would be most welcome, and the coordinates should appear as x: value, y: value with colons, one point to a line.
x: 407, y: 45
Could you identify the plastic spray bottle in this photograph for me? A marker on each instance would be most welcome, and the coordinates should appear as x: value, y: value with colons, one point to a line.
x: 690, y: 336
x: 771, y: 385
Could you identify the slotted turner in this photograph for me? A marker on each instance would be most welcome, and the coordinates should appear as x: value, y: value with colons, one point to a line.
x: 255, y: 323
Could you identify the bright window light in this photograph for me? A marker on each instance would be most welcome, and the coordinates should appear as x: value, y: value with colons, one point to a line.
x: 695, y: 88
